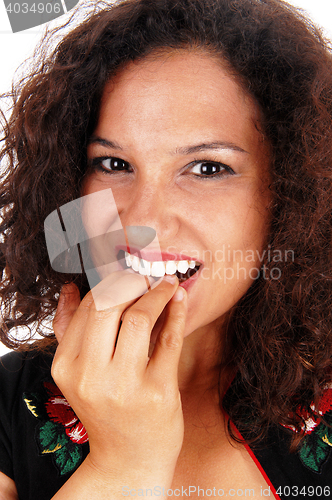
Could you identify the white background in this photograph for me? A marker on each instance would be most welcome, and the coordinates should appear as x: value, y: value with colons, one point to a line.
x: 17, y: 47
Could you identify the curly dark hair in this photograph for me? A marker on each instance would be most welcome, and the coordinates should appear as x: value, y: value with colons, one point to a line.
x: 279, y: 335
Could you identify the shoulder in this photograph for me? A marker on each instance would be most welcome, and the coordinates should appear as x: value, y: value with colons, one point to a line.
x: 315, y: 451
x: 40, y: 435
x: 308, y: 470
x: 16, y: 362
x: 20, y: 371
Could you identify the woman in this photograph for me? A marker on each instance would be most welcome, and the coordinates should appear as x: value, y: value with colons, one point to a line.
x: 209, y: 123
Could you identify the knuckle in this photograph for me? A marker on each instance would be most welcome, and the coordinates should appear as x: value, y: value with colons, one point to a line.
x: 119, y: 398
x: 85, y: 392
x: 82, y: 389
x: 58, y: 371
x: 138, y: 319
x: 170, y: 340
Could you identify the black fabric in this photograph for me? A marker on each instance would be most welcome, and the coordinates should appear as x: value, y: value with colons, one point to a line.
x: 35, y: 474
x: 287, y: 473
x: 292, y: 474
x: 25, y: 392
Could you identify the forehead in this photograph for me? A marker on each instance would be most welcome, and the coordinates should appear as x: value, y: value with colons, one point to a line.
x: 180, y: 91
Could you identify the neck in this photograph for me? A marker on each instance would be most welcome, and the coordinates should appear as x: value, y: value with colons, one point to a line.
x: 200, y: 362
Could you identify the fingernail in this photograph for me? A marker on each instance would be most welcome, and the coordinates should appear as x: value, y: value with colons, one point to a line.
x: 170, y: 278
x: 179, y: 294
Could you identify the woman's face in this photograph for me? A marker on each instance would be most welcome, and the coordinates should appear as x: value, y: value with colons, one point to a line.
x: 180, y: 147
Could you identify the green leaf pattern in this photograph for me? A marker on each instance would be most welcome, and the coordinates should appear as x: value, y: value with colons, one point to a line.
x: 317, y: 445
x: 51, y: 436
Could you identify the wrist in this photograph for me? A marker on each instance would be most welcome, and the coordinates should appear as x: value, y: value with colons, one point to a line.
x: 123, y: 478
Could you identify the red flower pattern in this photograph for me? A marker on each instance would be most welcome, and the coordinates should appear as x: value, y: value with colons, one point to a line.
x: 311, y: 422
x: 60, y: 411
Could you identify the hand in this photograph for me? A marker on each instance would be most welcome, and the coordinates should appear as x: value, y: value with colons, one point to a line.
x: 129, y: 404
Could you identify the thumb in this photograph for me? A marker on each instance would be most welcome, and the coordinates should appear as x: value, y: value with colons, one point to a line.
x: 166, y: 355
x: 69, y: 301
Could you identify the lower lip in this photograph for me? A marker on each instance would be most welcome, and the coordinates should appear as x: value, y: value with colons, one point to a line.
x: 190, y: 281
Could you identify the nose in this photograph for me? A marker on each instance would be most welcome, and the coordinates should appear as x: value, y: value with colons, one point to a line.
x: 151, y: 205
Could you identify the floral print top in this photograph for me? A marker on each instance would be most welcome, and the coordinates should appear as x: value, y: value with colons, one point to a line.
x: 316, y: 447
x: 59, y: 432
x: 42, y: 441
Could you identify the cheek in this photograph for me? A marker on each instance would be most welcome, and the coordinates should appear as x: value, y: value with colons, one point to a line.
x: 237, y: 240
x: 234, y: 223
x: 253, y: 216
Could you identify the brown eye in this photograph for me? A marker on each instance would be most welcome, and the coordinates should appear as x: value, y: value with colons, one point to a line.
x: 109, y: 164
x: 114, y: 164
x: 210, y: 169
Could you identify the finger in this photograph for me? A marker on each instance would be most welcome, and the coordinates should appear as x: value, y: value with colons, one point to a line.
x: 77, y: 314
x: 120, y: 287
x: 88, y: 333
x: 137, y: 323
x: 69, y: 301
x: 165, y: 358
x: 103, y: 321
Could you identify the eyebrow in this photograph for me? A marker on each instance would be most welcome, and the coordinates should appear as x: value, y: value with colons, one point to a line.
x: 184, y: 150
x: 104, y: 142
x: 187, y: 150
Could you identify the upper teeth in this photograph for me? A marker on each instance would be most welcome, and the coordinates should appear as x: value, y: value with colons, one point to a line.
x: 158, y: 268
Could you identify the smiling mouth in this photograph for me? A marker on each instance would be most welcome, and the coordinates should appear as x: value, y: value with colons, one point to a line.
x: 183, y: 269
